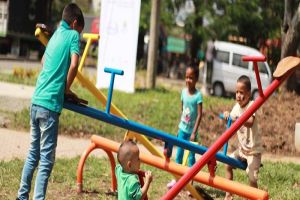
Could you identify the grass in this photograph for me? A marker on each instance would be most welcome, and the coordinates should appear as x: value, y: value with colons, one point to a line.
x: 157, y: 108
x: 20, y: 77
x: 97, y: 180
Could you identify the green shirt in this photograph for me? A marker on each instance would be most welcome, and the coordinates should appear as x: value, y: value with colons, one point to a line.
x: 50, y: 86
x: 129, y: 187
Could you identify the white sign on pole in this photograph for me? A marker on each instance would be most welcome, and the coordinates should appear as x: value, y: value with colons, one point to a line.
x: 119, y: 23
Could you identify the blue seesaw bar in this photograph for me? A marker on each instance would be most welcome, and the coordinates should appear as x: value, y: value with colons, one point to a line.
x: 149, y: 131
x: 169, y: 139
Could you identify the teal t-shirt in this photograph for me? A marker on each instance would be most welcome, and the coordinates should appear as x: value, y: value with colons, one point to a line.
x: 189, y: 110
x: 50, y: 86
x: 129, y: 187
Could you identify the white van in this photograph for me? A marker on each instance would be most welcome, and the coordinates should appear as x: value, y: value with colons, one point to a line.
x: 228, y: 66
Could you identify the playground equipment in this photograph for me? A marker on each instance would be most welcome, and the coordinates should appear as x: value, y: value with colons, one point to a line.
x: 44, y: 38
x: 127, y: 124
x: 202, y: 177
x: 284, y: 69
x: 229, y: 121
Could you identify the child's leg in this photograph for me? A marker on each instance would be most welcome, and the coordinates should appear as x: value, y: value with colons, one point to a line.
x: 33, y: 157
x: 252, y: 170
x: 229, y: 175
x: 179, y: 155
x: 191, y: 158
x: 229, y: 172
x: 48, y: 122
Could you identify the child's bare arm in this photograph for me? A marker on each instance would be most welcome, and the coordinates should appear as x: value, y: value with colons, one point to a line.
x: 197, y: 123
x: 148, y: 177
x: 226, y: 115
x: 249, y: 122
x: 72, y: 73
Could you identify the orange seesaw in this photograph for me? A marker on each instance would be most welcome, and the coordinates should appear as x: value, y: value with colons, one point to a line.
x: 110, y: 146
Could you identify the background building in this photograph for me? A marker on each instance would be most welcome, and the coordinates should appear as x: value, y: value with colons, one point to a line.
x: 17, y: 26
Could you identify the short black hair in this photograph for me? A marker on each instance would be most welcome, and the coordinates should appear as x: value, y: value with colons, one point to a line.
x: 195, y: 68
x: 246, y: 81
x: 124, y: 153
x: 72, y: 12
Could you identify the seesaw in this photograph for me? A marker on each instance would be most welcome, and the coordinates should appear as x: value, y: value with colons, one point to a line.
x: 284, y: 69
x: 109, y: 146
x: 44, y: 38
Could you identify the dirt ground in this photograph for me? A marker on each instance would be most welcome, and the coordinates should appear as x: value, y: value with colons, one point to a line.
x: 277, y: 119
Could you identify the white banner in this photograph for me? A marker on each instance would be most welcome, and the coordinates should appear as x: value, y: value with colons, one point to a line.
x: 119, y: 24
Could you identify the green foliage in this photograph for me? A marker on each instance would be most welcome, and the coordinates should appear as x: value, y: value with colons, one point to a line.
x: 253, y: 20
x: 281, y: 180
x: 57, y: 9
x: 145, y: 14
x: 166, y: 14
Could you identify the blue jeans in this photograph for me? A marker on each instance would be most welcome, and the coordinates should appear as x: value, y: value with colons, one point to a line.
x: 180, y: 151
x: 44, y: 129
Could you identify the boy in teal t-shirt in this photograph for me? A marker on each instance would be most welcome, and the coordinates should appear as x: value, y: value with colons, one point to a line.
x: 60, y: 64
x: 129, y: 187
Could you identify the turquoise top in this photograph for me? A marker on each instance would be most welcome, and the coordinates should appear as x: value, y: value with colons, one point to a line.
x: 50, y: 86
x: 189, y: 110
x: 129, y: 187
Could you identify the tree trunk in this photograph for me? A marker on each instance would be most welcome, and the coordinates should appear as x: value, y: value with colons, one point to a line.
x: 153, y: 43
x: 290, y: 40
x: 290, y: 33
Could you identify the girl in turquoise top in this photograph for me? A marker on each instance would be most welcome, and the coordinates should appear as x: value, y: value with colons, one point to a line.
x: 191, y: 100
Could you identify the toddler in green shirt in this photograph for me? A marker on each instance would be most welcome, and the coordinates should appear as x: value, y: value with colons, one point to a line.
x: 126, y: 171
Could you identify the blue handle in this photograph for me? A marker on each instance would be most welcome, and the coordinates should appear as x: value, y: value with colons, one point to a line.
x: 111, y: 86
x: 113, y: 71
x: 229, y: 122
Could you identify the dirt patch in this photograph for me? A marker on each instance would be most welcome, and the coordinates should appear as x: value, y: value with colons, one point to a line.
x: 12, y: 104
x: 277, y: 118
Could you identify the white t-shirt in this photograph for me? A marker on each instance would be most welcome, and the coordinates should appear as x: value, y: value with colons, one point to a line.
x: 249, y: 138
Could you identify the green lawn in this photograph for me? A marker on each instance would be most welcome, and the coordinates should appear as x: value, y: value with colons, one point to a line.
x: 159, y: 108
x: 281, y: 180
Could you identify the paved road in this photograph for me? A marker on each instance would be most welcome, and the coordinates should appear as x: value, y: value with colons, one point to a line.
x: 15, y: 144
x: 14, y: 97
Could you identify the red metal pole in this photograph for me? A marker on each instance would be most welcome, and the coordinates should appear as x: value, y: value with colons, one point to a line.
x: 256, y: 59
x: 223, y: 139
x: 260, y: 90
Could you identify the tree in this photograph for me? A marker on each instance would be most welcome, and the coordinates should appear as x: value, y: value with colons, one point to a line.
x: 291, y: 38
x: 152, y: 51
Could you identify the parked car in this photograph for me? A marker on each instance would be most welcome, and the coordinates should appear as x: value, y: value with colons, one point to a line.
x: 228, y: 66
